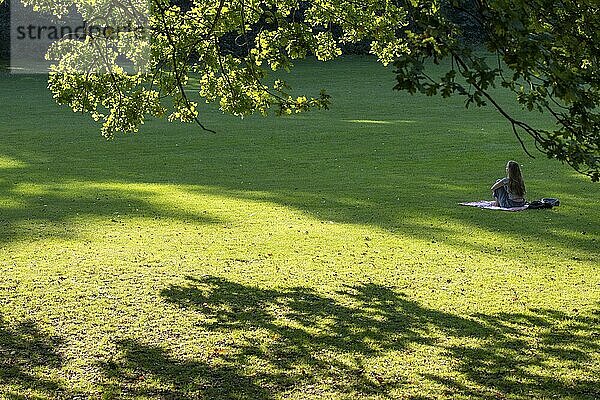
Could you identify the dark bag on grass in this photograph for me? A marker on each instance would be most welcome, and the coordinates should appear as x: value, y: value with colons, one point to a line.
x: 551, y: 201
x: 543, y: 203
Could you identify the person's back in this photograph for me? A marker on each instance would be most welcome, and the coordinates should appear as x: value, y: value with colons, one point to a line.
x: 510, y: 191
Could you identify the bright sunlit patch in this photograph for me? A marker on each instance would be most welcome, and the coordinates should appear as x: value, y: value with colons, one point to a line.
x: 9, y: 202
x: 379, y: 122
x: 580, y: 177
x: 30, y: 189
x: 7, y: 162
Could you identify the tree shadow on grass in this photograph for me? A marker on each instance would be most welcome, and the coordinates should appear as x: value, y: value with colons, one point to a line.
x: 28, y: 357
x: 298, y: 341
x: 148, y: 371
x: 533, y: 355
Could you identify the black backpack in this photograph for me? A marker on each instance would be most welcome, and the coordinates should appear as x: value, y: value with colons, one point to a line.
x: 543, y: 203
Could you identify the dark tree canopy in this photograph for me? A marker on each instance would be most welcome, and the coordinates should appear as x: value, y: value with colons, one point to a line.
x: 544, y: 51
x: 4, y: 31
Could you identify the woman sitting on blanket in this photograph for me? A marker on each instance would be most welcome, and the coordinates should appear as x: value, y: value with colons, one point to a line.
x: 510, y: 192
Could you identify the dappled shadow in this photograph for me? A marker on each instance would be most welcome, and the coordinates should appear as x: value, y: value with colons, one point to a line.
x: 150, y: 372
x: 28, y: 359
x: 533, y: 355
x: 302, y: 338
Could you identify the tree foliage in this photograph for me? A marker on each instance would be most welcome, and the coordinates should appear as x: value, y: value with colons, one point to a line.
x: 544, y: 51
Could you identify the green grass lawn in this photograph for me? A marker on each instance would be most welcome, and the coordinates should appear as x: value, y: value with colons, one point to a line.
x: 321, y: 256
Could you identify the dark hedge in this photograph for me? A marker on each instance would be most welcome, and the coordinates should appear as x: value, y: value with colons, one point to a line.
x: 4, y: 31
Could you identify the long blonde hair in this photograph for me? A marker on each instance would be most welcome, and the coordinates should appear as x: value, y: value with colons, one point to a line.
x: 515, y: 179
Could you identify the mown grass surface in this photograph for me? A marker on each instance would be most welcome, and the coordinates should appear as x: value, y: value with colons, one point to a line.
x: 319, y: 256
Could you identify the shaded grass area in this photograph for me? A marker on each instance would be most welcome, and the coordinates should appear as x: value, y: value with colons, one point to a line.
x: 328, y: 339
x: 24, y: 350
x: 320, y: 256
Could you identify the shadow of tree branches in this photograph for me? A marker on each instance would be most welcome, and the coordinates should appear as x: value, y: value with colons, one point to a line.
x: 147, y: 371
x: 28, y: 357
x: 298, y: 341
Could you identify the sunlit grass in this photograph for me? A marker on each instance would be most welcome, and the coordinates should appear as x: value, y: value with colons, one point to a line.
x: 380, y: 122
x: 320, y: 256
x: 6, y: 163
